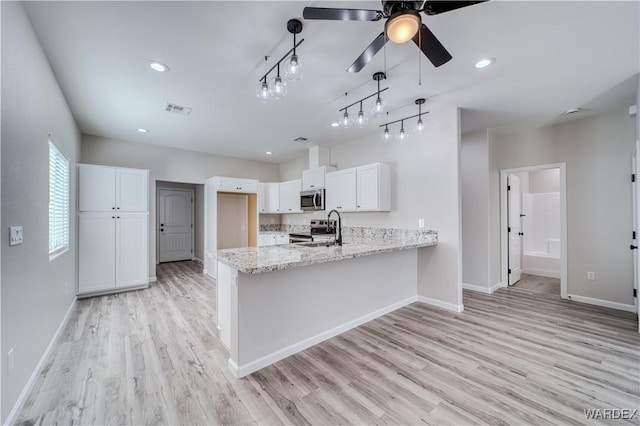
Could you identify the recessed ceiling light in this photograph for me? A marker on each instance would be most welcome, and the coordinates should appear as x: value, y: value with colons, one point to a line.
x: 335, y: 124
x: 483, y: 63
x: 268, y: 152
x: 141, y: 130
x: 158, y: 66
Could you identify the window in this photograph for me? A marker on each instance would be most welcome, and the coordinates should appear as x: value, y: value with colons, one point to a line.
x: 58, y: 202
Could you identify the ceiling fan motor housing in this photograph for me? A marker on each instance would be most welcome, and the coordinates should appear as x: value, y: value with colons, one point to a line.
x: 393, y: 6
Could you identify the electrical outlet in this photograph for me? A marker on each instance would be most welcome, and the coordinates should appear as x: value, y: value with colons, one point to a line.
x: 591, y: 276
x: 420, y: 223
x: 10, y: 362
x: 15, y: 235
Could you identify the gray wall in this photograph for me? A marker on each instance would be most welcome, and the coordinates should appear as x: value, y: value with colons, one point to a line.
x: 474, y: 160
x: 172, y: 165
x: 36, y: 292
x: 424, y: 184
x: 597, y: 152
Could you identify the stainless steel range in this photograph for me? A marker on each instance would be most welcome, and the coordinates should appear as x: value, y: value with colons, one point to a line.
x: 319, y: 231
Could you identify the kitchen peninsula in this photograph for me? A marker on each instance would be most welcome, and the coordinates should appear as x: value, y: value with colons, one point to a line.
x: 275, y: 301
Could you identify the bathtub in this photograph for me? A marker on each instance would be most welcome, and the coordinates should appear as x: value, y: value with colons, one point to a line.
x: 544, y: 264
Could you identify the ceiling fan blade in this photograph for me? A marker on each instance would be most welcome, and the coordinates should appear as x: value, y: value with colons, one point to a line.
x: 368, y: 53
x: 436, y: 7
x: 431, y: 46
x: 331, y: 14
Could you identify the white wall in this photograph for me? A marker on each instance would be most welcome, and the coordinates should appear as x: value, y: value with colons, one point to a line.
x: 170, y: 164
x: 597, y: 151
x: 474, y: 173
x: 36, y: 292
x: 547, y: 180
x: 424, y: 184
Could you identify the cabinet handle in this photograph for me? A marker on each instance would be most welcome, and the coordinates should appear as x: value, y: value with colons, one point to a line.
x: 312, y: 186
x: 113, y: 217
x: 113, y: 208
x: 358, y: 206
x: 118, y: 217
x: 118, y: 208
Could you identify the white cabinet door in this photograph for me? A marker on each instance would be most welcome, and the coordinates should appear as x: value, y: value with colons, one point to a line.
x: 367, y: 191
x: 290, y: 196
x: 272, y: 197
x: 315, y: 178
x: 307, y: 180
x: 132, y: 265
x: 341, y: 190
x: 226, y: 184
x: 261, y: 196
x: 282, y: 239
x: 96, y: 252
x: 96, y: 188
x: 132, y: 188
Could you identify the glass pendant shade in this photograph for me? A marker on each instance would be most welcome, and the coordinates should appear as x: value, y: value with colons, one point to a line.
x: 403, y: 135
x: 419, y: 126
x: 262, y: 92
x: 294, y: 70
x: 278, y: 87
x: 378, y: 106
x: 345, y: 120
x: 386, y: 135
x: 361, y: 120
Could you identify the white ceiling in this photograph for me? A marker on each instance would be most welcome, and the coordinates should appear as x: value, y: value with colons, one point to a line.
x: 551, y: 56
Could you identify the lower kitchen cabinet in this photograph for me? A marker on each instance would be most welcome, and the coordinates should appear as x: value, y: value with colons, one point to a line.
x: 113, y: 251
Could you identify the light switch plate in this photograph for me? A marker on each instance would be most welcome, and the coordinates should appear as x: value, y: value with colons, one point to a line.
x: 15, y: 235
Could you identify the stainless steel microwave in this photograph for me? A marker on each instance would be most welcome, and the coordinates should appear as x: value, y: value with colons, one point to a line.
x: 312, y: 200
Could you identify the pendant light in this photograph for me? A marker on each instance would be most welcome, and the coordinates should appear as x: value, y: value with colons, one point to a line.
x: 378, y: 105
x: 278, y: 87
x: 361, y: 119
x: 419, y: 124
x: 403, y: 135
x: 263, y: 94
x: 293, y: 69
x: 345, y: 120
x: 386, y: 135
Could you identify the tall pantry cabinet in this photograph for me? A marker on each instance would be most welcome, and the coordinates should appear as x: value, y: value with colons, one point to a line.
x: 113, y: 226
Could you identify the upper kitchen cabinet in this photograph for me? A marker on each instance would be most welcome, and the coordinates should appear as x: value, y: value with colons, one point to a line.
x: 341, y: 190
x: 102, y: 188
x: 290, y: 196
x: 272, y: 197
x: 315, y: 178
x: 373, y: 187
x: 365, y: 188
x: 227, y: 184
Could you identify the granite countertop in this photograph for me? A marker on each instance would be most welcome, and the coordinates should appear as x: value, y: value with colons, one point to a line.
x: 255, y: 260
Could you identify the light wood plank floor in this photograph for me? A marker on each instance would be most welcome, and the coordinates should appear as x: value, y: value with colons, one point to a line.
x: 539, y: 284
x: 513, y: 357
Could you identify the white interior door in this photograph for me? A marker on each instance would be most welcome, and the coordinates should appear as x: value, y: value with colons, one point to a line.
x: 232, y: 220
x: 515, y: 232
x: 635, y: 165
x: 175, y: 220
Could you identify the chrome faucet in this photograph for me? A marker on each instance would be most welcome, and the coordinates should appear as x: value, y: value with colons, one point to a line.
x: 339, y: 230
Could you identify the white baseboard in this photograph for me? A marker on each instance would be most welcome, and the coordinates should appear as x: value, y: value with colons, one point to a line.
x: 600, y: 302
x: 197, y: 259
x: 153, y: 279
x: 36, y: 371
x: 243, y: 370
x: 441, y: 304
x: 481, y: 289
x: 542, y: 272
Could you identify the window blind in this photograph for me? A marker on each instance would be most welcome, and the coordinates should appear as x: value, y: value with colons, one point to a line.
x: 58, y: 201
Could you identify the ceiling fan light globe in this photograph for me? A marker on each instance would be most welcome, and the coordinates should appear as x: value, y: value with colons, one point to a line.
x: 402, y: 26
x: 278, y: 87
x: 378, y: 107
x: 263, y: 94
x: 294, y: 69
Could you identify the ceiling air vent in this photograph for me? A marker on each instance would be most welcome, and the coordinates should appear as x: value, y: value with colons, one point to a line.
x: 301, y: 139
x: 178, y: 109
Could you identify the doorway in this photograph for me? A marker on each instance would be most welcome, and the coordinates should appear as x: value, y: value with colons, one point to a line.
x: 175, y: 224
x: 534, y: 228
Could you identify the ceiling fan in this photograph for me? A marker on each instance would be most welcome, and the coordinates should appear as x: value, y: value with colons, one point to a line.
x: 403, y: 23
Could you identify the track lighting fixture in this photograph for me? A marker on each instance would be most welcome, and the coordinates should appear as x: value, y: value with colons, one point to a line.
x: 293, y: 69
x: 403, y: 135
x: 276, y: 88
x: 361, y: 119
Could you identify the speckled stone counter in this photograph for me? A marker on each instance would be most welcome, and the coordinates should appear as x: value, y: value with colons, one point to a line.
x: 358, y: 242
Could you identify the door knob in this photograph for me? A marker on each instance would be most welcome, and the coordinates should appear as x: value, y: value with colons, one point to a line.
x: 632, y: 247
x: 162, y: 224
x: 521, y: 233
